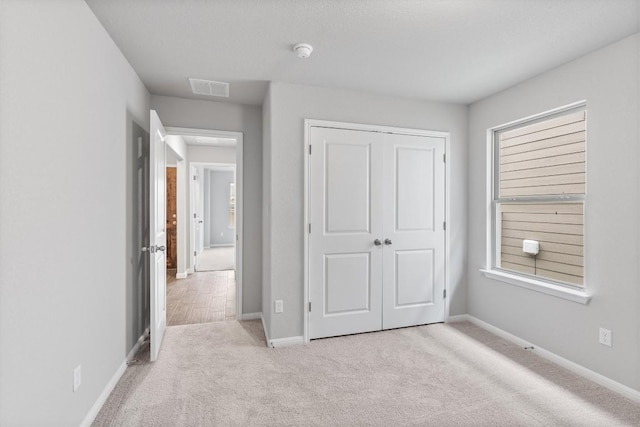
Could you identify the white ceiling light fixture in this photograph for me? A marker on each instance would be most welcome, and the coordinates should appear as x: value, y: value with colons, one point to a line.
x: 303, y: 50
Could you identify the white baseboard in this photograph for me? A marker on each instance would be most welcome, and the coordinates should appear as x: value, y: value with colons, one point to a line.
x: 597, y: 378
x: 190, y: 270
x: 222, y: 245
x: 95, y: 409
x: 266, y: 333
x: 182, y: 275
x: 286, y: 342
x: 458, y: 318
x: 280, y: 342
x: 251, y: 316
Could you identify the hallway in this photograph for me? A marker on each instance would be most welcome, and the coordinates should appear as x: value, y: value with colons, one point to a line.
x: 203, y: 297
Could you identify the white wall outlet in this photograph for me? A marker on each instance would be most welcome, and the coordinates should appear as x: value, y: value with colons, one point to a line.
x: 77, y: 377
x: 605, y: 337
x: 279, y: 306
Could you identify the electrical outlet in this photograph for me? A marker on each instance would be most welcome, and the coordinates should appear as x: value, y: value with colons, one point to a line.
x: 605, y: 337
x: 77, y: 377
x: 279, y: 306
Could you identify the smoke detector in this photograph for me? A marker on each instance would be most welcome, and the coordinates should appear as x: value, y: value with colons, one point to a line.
x: 209, y: 87
x: 303, y: 50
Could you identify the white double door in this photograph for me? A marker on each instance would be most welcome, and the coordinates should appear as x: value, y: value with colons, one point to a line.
x: 377, y: 240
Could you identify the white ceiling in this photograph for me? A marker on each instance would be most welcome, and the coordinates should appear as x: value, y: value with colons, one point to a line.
x: 443, y: 50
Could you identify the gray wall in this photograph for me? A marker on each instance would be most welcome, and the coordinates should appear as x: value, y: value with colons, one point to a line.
x: 608, y: 80
x: 266, y: 217
x: 68, y: 106
x: 220, y: 233
x: 138, y: 223
x: 238, y: 118
x: 290, y: 105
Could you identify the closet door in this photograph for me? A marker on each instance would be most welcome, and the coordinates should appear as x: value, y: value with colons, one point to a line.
x: 414, y: 236
x: 345, y: 209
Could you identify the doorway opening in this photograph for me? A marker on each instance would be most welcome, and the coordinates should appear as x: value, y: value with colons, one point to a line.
x: 207, y: 287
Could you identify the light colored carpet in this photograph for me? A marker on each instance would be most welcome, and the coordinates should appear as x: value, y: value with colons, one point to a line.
x: 221, y: 374
x: 217, y: 259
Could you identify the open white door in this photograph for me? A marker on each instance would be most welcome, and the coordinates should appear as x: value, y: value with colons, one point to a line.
x: 157, y: 231
x: 198, y: 221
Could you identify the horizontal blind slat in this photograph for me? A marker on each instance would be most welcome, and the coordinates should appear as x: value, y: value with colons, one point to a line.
x: 577, y: 147
x: 543, y: 227
x: 550, y: 208
x: 554, y: 275
x: 539, y: 217
x: 566, y: 239
x: 564, y: 159
x: 560, y: 248
x: 546, y: 255
x: 573, y: 178
x: 547, y: 190
x: 543, y: 134
x: 543, y: 171
x: 544, y: 143
x: 517, y: 267
x: 546, y: 124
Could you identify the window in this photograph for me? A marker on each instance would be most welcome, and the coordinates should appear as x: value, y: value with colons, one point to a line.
x: 539, y: 189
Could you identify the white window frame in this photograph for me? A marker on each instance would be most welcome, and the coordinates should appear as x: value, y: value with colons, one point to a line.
x: 563, y: 290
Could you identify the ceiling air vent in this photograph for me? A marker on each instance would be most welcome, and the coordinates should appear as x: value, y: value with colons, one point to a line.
x: 209, y: 87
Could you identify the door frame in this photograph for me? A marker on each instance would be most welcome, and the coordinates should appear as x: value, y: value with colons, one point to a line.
x: 192, y: 207
x: 238, y: 136
x: 308, y: 124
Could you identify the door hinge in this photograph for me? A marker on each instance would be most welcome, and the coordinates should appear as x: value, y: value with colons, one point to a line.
x: 195, y: 253
x: 444, y: 293
x: 444, y: 158
x: 195, y: 216
x: 309, y: 228
x: 309, y: 149
x: 309, y: 306
x: 444, y: 225
x: 195, y: 177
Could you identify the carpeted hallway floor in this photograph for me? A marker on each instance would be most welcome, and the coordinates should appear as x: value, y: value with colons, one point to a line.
x: 221, y: 374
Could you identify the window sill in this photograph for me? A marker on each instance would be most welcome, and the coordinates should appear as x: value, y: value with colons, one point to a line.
x: 539, y: 286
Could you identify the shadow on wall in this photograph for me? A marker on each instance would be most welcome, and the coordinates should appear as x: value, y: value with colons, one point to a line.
x: 137, y: 266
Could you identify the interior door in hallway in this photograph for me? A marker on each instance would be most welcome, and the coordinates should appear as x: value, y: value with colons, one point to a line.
x: 157, y: 234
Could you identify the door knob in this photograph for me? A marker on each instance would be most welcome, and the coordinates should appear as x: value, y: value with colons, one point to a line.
x: 377, y: 242
x: 160, y: 248
x: 387, y: 241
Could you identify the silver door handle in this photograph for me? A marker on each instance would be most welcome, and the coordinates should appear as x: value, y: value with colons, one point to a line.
x: 377, y: 242
x: 160, y: 248
x: 387, y: 241
x: 144, y: 249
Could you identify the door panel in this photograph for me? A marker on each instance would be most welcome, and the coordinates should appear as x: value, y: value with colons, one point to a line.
x: 351, y: 269
x: 345, y: 267
x: 157, y: 240
x: 414, y: 188
x: 414, y: 281
x: 414, y: 226
x: 347, y: 182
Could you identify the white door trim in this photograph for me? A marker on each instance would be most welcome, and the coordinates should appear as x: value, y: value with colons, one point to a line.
x: 239, y: 137
x: 308, y: 123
